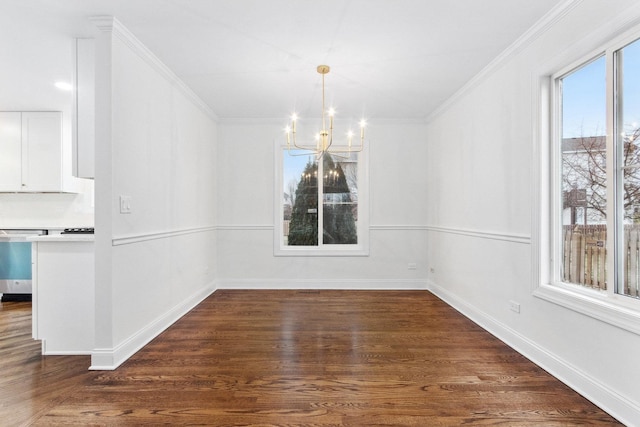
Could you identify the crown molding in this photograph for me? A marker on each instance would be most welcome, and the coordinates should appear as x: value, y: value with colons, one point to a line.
x: 280, y: 121
x: 533, y: 33
x: 109, y: 24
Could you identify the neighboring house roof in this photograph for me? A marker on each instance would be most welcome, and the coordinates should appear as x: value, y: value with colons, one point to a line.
x: 584, y: 143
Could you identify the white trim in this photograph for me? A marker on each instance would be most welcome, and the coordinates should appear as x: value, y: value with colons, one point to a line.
x: 600, y: 305
x: 538, y: 29
x: 245, y: 227
x: 280, y: 121
x: 111, y: 24
x: 106, y: 359
x: 621, y: 407
x: 247, y: 121
x: 361, y: 248
x: 607, y: 306
x: 46, y: 352
x: 143, y: 237
x: 507, y: 237
x: 378, y: 227
x: 325, y: 251
x: 346, y: 284
x: 540, y: 179
x: 67, y: 353
x: 390, y: 227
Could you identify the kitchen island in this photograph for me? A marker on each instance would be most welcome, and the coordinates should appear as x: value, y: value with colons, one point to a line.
x: 63, y: 293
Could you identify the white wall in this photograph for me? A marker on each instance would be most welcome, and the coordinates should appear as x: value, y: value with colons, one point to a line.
x: 156, y: 143
x: 481, y: 198
x: 246, y: 221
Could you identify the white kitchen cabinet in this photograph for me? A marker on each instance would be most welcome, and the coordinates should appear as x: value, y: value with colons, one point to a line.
x: 10, y: 151
x: 63, y: 293
x: 31, y: 152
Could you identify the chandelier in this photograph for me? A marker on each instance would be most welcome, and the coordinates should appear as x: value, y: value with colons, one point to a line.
x: 324, y: 139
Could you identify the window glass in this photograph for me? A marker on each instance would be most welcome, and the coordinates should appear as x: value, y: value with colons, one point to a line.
x: 583, y: 176
x: 335, y: 219
x: 300, y: 204
x: 627, y: 121
x: 340, y: 199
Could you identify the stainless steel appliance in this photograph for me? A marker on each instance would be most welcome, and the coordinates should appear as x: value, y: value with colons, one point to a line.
x: 15, y: 264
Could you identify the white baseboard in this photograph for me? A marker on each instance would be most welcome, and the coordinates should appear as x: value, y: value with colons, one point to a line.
x: 48, y: 352
x: 107, y: 359
x: 350, y: 284
x: 620, y: 407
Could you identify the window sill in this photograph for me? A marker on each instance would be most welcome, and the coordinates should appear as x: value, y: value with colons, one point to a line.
x: 357, y: 251
x: 594, y: 304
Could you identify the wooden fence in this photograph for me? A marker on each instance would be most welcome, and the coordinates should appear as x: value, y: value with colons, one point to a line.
x: 585, y: 256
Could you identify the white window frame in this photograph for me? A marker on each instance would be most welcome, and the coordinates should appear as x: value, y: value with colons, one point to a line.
x: 608, y: 306
x: 359, y: 249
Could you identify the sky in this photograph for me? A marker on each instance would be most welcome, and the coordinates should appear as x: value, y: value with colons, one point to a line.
x: 584, y: 95
x: 294, y: 165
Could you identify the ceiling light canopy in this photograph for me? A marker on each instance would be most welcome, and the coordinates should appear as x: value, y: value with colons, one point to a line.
x: 324, y: 139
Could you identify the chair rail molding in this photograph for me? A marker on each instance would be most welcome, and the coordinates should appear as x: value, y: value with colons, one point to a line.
x: 480, y: 234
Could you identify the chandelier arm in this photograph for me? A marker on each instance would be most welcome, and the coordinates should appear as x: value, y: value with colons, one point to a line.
x: 347, y: 150
x: 305, y: 147
x: 352, y: 149
x: 339, y: 154
x: 308, y: 153
x: 295, y: 144
x: 301, y: 147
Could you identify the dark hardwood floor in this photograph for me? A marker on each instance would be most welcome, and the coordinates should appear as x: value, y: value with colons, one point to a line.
x: 293, y: 358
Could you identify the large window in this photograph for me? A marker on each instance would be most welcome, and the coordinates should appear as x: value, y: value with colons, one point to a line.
x: 596, y: 225
x: 322, y: 204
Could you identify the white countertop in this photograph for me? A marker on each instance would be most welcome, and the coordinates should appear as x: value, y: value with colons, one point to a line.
x: 16, y: 237
x: 72, y: 237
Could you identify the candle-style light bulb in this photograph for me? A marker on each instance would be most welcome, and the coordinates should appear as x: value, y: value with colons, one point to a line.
x: 362, y: 123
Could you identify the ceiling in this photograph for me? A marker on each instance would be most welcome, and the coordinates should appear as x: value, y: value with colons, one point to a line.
x: 258, y: 58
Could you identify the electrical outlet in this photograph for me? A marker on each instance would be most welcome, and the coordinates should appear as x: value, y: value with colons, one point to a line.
x: 412, y: 266
x: 514, y: 306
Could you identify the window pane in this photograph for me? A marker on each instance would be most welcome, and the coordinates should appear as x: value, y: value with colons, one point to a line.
x: 336, y: 218
x: 583, y: 175
x: 300, y: 203
x: 340, y: 200
x: 628, y: 103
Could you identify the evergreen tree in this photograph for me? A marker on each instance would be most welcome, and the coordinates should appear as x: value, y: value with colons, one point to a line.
x: 303, y: 228
x: 338, y: 219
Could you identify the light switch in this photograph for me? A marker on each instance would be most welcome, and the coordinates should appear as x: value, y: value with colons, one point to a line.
x: 125, y: 204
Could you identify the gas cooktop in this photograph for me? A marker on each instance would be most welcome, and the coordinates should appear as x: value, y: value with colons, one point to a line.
x: 86, y: 230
